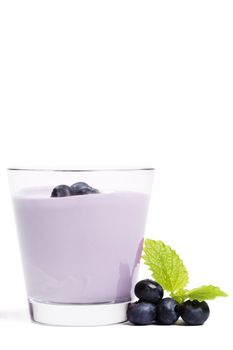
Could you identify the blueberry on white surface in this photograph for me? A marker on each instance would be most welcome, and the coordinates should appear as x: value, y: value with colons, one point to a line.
x: 167, y: 311
x: 194, y: 312
x: 141, y: 313
x: 149, y: 291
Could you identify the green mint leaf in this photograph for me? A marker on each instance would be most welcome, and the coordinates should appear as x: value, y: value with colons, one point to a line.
x: 203, y: 293
x: 180, y: 295
x: 166, y: 266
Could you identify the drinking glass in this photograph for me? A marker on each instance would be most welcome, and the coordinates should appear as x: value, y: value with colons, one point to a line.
x: 81, y: 242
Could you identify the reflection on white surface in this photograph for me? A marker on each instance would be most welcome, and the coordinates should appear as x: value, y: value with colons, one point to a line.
x: 21, y: 315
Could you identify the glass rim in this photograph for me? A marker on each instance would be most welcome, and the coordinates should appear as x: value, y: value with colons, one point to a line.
x: 82, y: 170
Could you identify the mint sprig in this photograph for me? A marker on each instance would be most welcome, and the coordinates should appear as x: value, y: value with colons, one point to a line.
x: 166, y: 266
x: 170, y: 272
x: 201, y: 293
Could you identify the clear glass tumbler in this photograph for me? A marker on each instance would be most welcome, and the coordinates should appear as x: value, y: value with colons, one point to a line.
x: 80, y: 242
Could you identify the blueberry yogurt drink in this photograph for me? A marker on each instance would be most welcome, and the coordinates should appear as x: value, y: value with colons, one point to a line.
x: 80, y: 244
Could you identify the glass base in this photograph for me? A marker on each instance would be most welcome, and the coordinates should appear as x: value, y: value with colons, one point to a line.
x: 77, y: 314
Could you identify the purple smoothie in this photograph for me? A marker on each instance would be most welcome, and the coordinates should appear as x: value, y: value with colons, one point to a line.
x: 80, y: 249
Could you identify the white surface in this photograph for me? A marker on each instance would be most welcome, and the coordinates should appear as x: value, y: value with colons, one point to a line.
x: 124, y: 83
x: 32, y: 336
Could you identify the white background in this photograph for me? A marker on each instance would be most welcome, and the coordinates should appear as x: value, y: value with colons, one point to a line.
x: 123, y: 83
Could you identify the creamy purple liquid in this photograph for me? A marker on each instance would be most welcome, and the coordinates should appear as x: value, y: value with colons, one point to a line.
x: 80, y: 249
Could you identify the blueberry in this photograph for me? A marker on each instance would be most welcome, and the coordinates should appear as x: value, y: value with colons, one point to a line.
x: 194, y: 312
x: 61, y: 191
x: 167, y: 311
x: 141, y: 313
x: 78, y: 185
x: 80, y: 188
x: 148, y: 290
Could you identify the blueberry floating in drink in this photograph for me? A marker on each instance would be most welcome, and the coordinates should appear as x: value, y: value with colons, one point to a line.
x: 61, y: 191
x: 78, y: 188
x: 82, y: 188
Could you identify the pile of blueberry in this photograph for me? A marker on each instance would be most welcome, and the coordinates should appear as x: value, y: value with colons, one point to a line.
x: 78, y: 188
x: 153, y: 308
